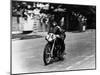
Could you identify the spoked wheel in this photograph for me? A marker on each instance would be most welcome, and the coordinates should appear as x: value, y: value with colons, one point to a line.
x: 47, y: 54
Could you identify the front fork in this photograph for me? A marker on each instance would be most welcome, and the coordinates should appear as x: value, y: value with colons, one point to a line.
x: 52, y: 49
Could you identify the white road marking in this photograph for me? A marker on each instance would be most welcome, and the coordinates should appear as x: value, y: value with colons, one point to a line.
x: 69, y: 67
x: 30, y: 57
x: 79, y: 62
x: 88, y: 57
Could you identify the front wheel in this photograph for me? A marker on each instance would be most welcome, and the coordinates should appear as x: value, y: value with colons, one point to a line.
x: 47, y: 54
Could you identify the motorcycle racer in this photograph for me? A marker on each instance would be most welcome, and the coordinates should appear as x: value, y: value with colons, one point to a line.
x: 60, y: 34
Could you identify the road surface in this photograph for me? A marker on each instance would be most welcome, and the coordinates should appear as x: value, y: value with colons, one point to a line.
x: 27, y: 55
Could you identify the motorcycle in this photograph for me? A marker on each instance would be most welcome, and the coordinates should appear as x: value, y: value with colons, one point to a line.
x: 52, y: 50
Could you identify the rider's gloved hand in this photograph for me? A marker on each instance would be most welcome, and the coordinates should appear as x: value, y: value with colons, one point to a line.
x: 58, y: 36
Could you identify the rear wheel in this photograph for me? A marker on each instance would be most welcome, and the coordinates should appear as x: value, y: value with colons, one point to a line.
x: 47, y: 54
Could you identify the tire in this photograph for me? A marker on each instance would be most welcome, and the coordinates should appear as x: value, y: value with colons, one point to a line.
x: 47, y: 54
